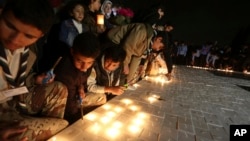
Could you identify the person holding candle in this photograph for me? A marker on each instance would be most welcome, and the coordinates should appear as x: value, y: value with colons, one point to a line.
x: 74, y: 69
x: 107, y: 74
x: 91, y: 17
x: 137, y: 39
x: 106, y: 10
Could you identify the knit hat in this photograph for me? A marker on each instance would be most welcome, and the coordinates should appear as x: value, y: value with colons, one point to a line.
x: 103, y: 6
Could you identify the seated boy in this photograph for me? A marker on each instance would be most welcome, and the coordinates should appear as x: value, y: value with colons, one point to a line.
x: 22, y: 23
x: 107, y: 73
x: 74, y: 69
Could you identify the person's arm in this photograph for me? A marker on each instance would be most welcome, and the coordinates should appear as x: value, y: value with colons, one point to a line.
x: 133, y: 37
x: 91, y: 83
x: 64, y: 34
x: 10, y: 133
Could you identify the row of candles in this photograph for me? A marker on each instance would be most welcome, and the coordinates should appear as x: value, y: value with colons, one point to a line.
x: 107, y: 123
x: 222, y: 70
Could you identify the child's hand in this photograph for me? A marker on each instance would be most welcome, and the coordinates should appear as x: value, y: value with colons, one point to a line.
x: 45, y: 78
x: 116, y: 90
x: 81, y: 94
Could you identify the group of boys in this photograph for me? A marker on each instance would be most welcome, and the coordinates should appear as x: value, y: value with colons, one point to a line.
x: 88, y: 68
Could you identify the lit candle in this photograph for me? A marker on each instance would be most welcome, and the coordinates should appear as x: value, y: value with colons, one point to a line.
x: 100, y: 19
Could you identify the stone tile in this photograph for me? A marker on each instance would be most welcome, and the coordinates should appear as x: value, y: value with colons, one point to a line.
x: 149, y: 135
x: 184, y: 136
x: 203, y: 133
x: 197, y: 106
x: 199, y: 122
x: 186, y: 128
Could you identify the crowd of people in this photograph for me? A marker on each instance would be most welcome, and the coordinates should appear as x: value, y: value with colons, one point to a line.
x: 57, y: 60
x: 212, y: 55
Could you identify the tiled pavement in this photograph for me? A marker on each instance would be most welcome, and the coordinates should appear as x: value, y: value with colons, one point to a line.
x: 195, y: 106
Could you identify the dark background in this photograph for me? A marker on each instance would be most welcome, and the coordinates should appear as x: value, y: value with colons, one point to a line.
x: 198, y: 21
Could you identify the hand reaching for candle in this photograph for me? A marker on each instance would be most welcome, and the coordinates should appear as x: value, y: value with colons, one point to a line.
x: 81, y: 93
x: 10, y: 133
x: 116, y: 90
x: 39, y: 79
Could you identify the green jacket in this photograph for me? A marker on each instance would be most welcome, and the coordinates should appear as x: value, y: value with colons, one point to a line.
x: 134, y: 38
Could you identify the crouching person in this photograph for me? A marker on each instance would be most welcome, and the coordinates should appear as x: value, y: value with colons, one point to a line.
x: 107, y: 77
x: 36, y: 112
x: 73, y: 71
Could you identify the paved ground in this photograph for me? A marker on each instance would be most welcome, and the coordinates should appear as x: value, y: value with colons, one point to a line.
x: 196, y: 106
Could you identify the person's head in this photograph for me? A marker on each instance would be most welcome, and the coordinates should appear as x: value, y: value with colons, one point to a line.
x: 161, y: 11
x: 106, y: 8
x: 93, y: 5
x: 23, y: 22
x: 85, y: 50
x: 169, y: 28
x: 76, y: 10
x: 113, y: 57
x: 159, y: 41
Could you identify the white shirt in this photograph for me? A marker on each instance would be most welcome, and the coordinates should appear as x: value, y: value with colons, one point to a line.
x: 13, y: 60
x: 78, y: 26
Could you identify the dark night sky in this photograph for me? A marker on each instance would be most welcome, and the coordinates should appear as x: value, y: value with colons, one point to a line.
x: 199, y: 21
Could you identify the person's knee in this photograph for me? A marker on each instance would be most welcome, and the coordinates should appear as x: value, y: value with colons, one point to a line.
x: 61, y: 88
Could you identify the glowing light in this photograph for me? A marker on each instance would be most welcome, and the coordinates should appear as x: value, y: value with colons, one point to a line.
x: 118, y: 109
x: 151, y: 99
x: 112, y: 132
x: 100, y: 19
x: 141, y: 115
x: 127, y: 101
x: 54, y: 139
x: 105, y: 120
x: 117, y: 124
x: 133, y: 129
x: 106, y: 106
x: 138, y: 121
x: 133, y: 108
x: 136, y: 85
x: 95, y: 128
x: 91, y: 116
x: 111, y: 114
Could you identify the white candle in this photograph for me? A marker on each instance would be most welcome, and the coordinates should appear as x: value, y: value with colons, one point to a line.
x: 100, y: 19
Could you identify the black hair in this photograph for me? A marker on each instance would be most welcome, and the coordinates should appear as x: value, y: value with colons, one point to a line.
x: 38, y: 13
x: 86, y: 44
x: 64, y: 13
x: 116, y: 53
x: 87, y: 2
x: 164, y: 36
